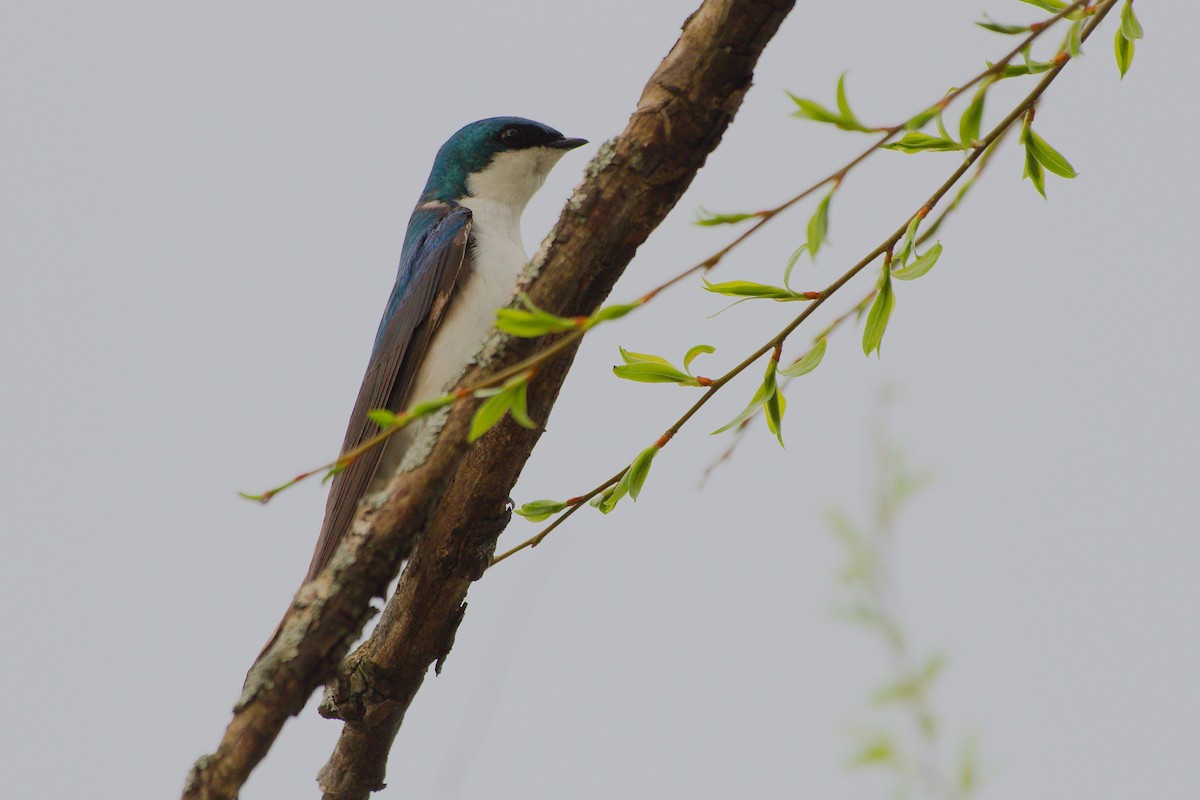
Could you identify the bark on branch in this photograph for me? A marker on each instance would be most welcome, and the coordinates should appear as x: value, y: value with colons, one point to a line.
x: 454, y: 503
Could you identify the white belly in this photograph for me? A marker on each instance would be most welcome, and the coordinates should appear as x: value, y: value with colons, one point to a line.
x: 496, y: 258
x: 468, y: 320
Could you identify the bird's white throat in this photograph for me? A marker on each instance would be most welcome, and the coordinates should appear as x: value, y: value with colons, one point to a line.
x: 513, y: 176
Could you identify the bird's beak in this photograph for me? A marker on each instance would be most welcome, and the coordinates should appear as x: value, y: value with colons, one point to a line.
x: 567, y: 144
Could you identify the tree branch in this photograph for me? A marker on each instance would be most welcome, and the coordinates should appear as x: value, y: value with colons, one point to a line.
x: 682, y: 113
x: 454, y: 502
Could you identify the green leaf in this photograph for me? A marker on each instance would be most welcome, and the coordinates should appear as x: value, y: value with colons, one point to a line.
x: 1028, y: 68
x: 989, y: 24
x: 759, y: 397
x: 429, y: 406
x: 752, y: 289
x: 916, y: 142
x: 1033, y: 170
x: 519, y: 409
x: 530, y: 324
x: 921, y: 119
x: 905, y: 690
x: 1130, y: 27
x: 765, y: 390
x: 646, y: 368
x: 807, y: 109
x: 968, y: 768
x: 607, y: 500
x: 818, y: 226
x: 911, y: 687
x: 1075, y: 39
x: 774, y: 407
x: 382, y: 417
x: 642, y: 358
x: 490, y: 412
x: 972, y: 117
x: 707, y: 218
x: 877, y: 750
x: 920, y: 266
x: 1048, y: 157
x: 904, y: 248
x: 843, y: 104
x: 649, y: 372
x: 630, y: 483
x: 1124, y: 48
x: 615, y: 311
x: 695, y: 351
x: 941, y: 126
x: 787, y: 271
x: 639, y: 469
x: 1047, y: 5
x: 807, y: 362
x: 511, y: 397
x: 877, y: 318
x: 814, y: 111
x: 539, y: 510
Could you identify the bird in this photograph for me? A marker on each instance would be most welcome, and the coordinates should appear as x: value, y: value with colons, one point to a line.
x: 461, y: 257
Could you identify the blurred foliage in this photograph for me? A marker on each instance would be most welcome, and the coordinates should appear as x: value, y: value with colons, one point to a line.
x: 903, y: 734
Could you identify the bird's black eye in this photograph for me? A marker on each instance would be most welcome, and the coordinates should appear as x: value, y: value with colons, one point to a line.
x: 513, y: 137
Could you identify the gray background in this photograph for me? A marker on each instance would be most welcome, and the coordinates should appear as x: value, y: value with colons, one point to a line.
x: 202, y: 208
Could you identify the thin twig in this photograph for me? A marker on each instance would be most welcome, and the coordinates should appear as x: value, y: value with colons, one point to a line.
x: 857, y: 310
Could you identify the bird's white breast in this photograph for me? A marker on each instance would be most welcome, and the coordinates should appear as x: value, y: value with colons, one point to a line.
x: 495, y: 260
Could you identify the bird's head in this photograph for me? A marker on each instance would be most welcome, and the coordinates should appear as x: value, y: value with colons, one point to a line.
x: 501, y: 159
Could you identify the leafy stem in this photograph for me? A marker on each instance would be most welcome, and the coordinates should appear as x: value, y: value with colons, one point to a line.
x: 886, y: 247
x: 858, y: 309
x: 574, y: 329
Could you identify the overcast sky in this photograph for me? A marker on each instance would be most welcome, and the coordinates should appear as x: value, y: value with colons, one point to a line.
x: 201, y: 213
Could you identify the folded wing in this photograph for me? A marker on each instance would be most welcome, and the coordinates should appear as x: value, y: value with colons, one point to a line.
x: 430, y: 268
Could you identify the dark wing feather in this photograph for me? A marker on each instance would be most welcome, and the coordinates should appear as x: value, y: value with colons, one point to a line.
x: 418, y: 302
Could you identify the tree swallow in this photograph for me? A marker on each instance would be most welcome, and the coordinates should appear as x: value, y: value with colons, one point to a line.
x: 461, y: 257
